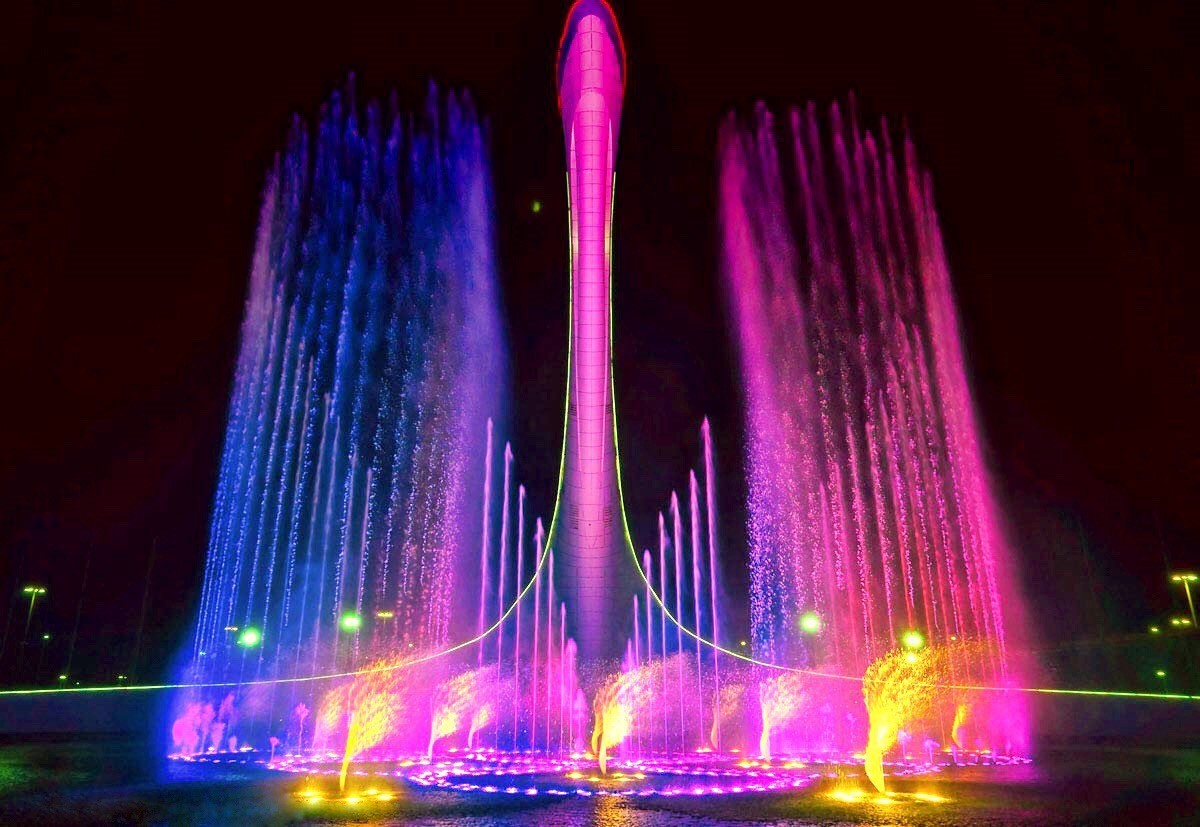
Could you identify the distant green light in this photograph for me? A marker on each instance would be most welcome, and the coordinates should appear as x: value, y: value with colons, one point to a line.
x: 1160, y: 673
x: 250, y: 637
x: 62, y: 677
x: 810, y: 623
x: 912, y: 639
x: 34, y: 590
x: 1154, y: 630
x: 350, y: 622
x: 45, y: 637
x: 536, y: 206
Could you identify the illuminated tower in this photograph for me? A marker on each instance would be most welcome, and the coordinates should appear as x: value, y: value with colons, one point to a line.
x: 589, y: 538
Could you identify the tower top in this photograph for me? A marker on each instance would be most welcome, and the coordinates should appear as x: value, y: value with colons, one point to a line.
x: 580, y: 11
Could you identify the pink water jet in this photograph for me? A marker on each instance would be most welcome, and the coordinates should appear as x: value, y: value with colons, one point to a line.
x: 869, y: 502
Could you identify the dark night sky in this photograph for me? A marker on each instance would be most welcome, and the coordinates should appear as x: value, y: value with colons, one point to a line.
x: 135, y: 137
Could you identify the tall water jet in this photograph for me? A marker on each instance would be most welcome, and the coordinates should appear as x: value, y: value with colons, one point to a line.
x: 869, y: 506
x: 710, y: 514
x: 370, y: 357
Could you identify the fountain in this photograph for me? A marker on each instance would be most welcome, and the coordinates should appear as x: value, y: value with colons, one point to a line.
x: 364, y: 470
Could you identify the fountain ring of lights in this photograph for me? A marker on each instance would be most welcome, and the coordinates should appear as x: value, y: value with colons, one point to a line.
x: 493, y: 772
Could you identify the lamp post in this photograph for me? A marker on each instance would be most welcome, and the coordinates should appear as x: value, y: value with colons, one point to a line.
x: 350, y: 623
x: 37, y: 675
x: 1187, y: 578
x: 34, y: 593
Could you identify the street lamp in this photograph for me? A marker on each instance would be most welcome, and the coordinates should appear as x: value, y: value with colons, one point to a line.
x: 1186, y: 579
x: 34, y: 593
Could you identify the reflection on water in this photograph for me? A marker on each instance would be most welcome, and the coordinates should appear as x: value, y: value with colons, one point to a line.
x: 86, y: 783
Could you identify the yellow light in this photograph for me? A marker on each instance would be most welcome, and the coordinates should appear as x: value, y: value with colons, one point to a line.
x: 352, y: 799
x: 385, y: 614
x: 910, y: 657
x: 1154, y: 630
x: 386, y: 797
x: 848, y: 796
x: 930, y: 798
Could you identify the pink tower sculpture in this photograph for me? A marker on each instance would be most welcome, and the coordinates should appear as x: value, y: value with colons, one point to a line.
x: 589, y: 539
